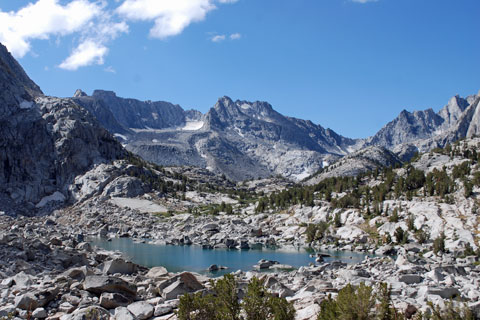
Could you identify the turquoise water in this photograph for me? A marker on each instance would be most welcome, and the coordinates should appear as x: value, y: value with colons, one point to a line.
x: 197, y: 259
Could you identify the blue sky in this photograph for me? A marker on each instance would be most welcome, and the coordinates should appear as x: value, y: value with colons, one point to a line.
x: 348, y: 65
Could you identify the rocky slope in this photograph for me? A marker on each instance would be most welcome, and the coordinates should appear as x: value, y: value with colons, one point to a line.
x: 45, y: 142
x: 364, y: 160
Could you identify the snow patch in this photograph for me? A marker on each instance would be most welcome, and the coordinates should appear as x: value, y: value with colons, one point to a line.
x: 154, y: 140
x: 26, y: 104
x: 121, y: 136
x: 245, y: 106
x: 193, y: 125
x: 155, y: 115
x: 56, y: 196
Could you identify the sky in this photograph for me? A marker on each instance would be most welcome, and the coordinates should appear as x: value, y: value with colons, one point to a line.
x: 348, y: 65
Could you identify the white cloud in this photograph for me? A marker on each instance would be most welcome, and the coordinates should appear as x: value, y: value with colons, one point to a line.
x: 87, y: 53
x: 95, y: 24
x: 42, y: 19
x: 235, y: 36
x: 170, y: 17
x: 218, y: 38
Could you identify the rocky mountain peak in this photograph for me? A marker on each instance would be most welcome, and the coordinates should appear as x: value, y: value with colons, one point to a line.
x: 104, y: 94
x: 453, y: 110
x: 79, y: 93
x: 17, y: 90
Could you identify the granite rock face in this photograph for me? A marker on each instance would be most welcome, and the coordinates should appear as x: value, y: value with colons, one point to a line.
x: 45, y: 142
x: 425, y: 130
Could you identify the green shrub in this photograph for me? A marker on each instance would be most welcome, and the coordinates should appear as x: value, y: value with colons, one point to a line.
x: 352, y: 303
x: 422, y: 236
x: 223, y: 304
x: 316, y: 231
x: 439, y: 244
x: 259, y: 304
x: 401, y: 236
x: 451, y: 312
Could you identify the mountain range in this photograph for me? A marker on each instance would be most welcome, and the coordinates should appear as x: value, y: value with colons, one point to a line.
x: 46, y: 143
x: 245, y: 140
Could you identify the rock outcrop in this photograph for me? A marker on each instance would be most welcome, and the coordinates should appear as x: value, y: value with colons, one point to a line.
x: 45, y: 142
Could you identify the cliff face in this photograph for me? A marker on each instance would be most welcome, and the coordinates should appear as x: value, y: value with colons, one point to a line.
x: 44, y: 142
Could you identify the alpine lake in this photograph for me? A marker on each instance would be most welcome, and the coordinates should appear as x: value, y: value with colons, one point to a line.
x: 194, y: 258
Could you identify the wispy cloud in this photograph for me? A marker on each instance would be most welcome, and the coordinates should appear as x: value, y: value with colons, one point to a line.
x: 94, y: 40
x: 235, y: 36
x: 223, y: 37
x: 218, y: 38
x: 110, y: 69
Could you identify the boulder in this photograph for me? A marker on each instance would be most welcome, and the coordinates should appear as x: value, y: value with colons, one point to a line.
x: 157, y: 272
x: 26, y: 301
x: 77, y: 274
x: 7, y: 311
x: 122, y: 313
x: 119, y: 266
x: 385, y: 250
x: 181, y: 284
x: 213, y: 268
x: 410, y: 278
x: 110, y: 300
x: 101, y: 284
x: 85, y: 246
x: 39, y: 313
x: 445, y: 293
x: 141, y: 310
x: 162, y: 310
x: 265, y: 264
x: 92, y: 312
x: 23, y: 280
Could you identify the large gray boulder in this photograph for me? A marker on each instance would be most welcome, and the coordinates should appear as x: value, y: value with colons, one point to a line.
x: 91, y: 312
x: 26, y: 301
x: 157, y: 272
x: 141, y: 310
x: 179, y: 285
x: 101, y: 284
x: 122, y: 313
x: 119, y: 266
x: 110, y: 300
x: 410, y: 278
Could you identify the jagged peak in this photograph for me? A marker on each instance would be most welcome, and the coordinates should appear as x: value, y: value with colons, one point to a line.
x: 79, y: 93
